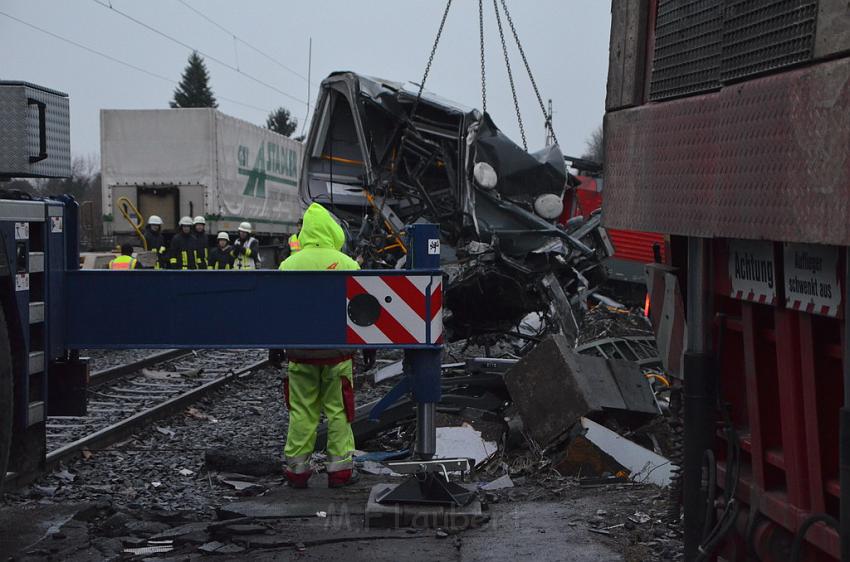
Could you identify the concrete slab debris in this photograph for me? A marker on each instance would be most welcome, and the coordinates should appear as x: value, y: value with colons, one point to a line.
x: 553, y: 386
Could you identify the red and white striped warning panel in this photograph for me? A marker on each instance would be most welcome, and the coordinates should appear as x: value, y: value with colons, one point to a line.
x: 394, y: 309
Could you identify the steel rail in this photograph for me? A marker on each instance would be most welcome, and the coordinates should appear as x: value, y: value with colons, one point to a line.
x: 119, y: 430
x: 110, y: 374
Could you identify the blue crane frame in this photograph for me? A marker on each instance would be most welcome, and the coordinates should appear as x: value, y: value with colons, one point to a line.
x: 198, y: 309
x: 217, y: 309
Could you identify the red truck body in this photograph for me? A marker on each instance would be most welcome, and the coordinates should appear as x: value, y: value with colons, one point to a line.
x: 727, y: 130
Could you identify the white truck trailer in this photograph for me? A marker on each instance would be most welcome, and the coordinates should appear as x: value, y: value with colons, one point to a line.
x: 177, y: 162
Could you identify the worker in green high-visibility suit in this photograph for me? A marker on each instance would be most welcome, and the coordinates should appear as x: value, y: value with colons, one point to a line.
x: 319, y: 379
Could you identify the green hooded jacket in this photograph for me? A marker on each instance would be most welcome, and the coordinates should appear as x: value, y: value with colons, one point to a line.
x: 321, y: 239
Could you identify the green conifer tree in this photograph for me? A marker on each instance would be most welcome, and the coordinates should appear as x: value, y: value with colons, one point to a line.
x: 281, y: 121
x: 194, y: 88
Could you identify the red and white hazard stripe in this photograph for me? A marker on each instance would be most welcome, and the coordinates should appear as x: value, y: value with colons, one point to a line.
x: 752, y: 297
x: 810, y: 308
x: 404, y: 314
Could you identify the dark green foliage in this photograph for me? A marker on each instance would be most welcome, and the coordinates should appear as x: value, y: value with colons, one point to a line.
x: 281, y: 121
x: 194, y: 88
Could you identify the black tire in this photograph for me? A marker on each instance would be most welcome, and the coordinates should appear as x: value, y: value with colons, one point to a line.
x: 6, y: 397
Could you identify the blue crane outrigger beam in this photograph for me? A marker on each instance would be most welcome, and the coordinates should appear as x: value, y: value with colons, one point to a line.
x: 217, y: 309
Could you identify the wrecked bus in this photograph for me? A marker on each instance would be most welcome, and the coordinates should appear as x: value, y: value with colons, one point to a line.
x: 381, y: 157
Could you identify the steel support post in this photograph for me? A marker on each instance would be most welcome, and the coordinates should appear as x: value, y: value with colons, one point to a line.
x: 424, y: 253
x: 844, y: 433
x: 699, y: 390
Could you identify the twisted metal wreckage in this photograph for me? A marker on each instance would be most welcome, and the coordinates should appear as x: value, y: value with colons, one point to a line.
x: 383, y: 157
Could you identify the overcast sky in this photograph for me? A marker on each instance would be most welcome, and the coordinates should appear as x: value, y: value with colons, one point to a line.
x: 566, y: 42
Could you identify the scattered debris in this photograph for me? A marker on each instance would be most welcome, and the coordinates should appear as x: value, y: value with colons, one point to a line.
x: 553, y: 386
x: 463, y: 442
x: 144, y: 550
x: 499, y: 483
x: 390, y: 371
x: 598, y: 450
x: 199, y: 415
x: 185, y: 472
x: 640, y: 518
x: 210, y: 547
x: 65, y: 476
x: 246, y: 488
x: 165, y: 431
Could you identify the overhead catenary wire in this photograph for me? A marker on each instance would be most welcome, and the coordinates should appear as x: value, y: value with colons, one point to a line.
x: 244, y: 42
x: 117, y: 60
x: 309, y: 75
x: 199, y: 51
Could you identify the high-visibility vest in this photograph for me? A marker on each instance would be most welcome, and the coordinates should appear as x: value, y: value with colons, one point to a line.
x: 294, y: 244
x: 248, y: 258
x: 123, y: 262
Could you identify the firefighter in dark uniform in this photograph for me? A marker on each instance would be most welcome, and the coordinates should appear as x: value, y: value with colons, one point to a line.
x: 156, y: 241
x: 181, y: 253
x: 221, y: 256
x: 200, y: 246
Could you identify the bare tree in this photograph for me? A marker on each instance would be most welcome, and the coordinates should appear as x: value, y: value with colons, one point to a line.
x: 594, y: 148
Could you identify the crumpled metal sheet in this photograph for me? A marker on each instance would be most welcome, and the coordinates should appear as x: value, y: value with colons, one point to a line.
x: 522, y: 175
x: 379, y: 166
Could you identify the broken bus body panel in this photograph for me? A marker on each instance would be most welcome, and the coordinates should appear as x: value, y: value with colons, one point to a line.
x: 381, y: 160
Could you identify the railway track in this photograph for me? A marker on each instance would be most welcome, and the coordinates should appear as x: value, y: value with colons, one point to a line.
x: 126, y: 397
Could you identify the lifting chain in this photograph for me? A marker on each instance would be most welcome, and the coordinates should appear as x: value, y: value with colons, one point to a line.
x: 510, y: 74
x: 430, y: 60
x: 398, y: 153
x: 483, y: 74
x: 546, y: 115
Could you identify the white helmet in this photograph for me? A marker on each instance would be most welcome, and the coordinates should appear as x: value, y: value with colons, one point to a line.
x: 186, y: 221
x: 245, y: 227
x: 224, y: 236
x: 199, y: 220
x: 155, y: 220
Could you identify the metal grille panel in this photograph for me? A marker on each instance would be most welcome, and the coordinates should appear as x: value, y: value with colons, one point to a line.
x: 688, y: 40
x: 759, y: 36
x: 701, y: 44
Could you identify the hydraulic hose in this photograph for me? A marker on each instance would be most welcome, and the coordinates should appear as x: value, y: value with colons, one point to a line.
x: 797, y: 545
x: 712, y: 539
